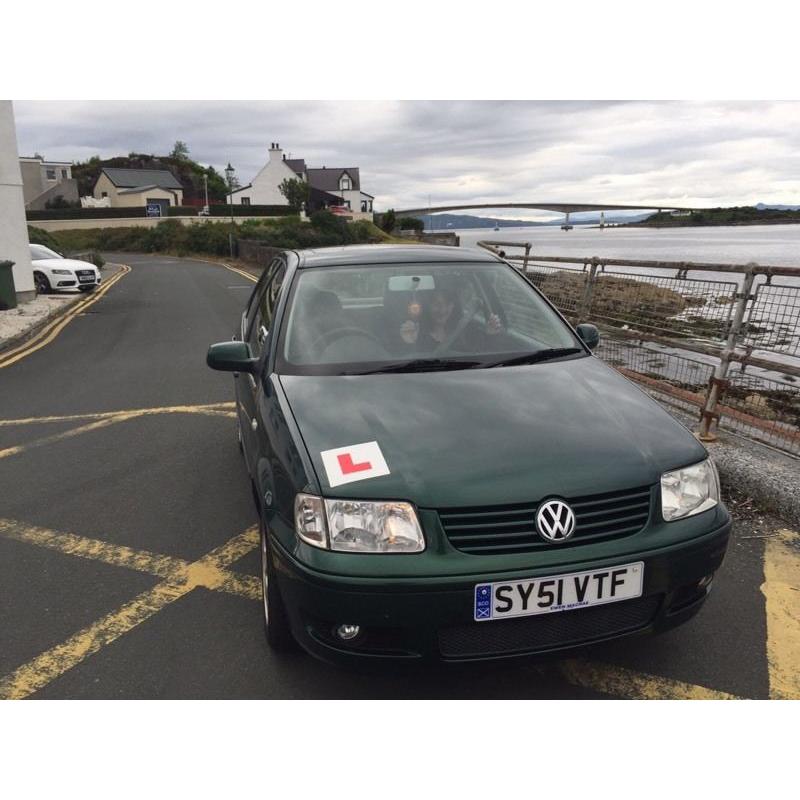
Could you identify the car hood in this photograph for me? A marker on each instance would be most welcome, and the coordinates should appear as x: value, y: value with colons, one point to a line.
x: 492, y: 436
x: 63, y: 263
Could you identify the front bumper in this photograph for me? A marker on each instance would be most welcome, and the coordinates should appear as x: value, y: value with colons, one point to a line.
x: 431, y: 618
x: 65, y: 283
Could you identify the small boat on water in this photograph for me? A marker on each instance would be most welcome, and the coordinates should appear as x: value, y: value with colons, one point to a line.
x: 497, y: 227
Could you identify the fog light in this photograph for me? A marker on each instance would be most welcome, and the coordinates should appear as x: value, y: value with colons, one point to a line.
x: 348, y: 632
x: 705, y: 582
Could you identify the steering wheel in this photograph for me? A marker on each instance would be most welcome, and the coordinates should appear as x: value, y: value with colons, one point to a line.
x: 465, y: 320
x: 339, y: 333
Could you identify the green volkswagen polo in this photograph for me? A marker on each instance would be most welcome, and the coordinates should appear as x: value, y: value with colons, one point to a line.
x: 444, y: 470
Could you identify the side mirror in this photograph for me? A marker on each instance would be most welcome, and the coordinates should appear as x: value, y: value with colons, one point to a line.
x: 231, y: 357
x: 589, y: 334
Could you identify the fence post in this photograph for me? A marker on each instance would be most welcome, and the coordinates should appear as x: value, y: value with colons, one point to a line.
x: 720, y: 379
x: 527, y: 254
x: 586, y: 301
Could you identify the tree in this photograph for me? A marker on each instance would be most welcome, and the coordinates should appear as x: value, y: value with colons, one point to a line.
x: 296, y: 193
x: 388, y: 221
x: 411, y: 224
x: 180, y: 151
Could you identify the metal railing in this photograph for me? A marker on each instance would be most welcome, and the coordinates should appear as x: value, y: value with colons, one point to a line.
x: 722, y: 340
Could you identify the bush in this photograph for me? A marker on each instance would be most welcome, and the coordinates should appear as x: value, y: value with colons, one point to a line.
x: 39, y: 236
x: 411, y: 224
x: 170, y: 235
x: 249, y: 211
x: 87, y: 213
x: 388, y: 221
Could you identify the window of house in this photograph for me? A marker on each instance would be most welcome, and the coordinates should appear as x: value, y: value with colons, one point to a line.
x: 363, y: 205
x: 64, y: 174
x: 51, y: 174
x: 344, y: 183
x: 370, y: 205
x: 103, y: 194
x: 245, y: 201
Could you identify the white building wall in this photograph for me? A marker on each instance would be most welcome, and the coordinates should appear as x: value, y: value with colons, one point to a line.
x: 264, y: 189
x: 13, y: 226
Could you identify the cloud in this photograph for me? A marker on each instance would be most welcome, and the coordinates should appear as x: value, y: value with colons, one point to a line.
x: 710, y: 153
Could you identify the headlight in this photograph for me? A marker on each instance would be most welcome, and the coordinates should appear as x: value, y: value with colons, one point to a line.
x: 688, y: 491
x: 61, y: 271
x: 358, y: 526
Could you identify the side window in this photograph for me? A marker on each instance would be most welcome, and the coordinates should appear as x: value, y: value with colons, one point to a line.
x: 264, y: 311
x: 258, y: 290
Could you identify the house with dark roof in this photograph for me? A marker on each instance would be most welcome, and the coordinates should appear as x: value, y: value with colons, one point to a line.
x: 329, y: 186
x: 139, y: 187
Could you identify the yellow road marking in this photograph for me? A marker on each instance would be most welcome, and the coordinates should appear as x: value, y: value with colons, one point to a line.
x: 208, y: 408
x: 781, y: 588
x: 56, y: 437
x: 50, y: 331
x: 104, y: 420
x: 237, y: 270
x: 621, y: 682
x: 162, y: 566
x: 206, y: 572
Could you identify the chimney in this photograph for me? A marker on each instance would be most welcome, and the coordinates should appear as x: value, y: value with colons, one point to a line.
x: 275, y: 152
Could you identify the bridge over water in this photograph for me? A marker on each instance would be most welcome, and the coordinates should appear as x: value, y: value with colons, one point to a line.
x: 564, y: 208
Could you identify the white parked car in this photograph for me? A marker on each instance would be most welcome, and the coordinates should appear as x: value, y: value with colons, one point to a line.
x: 53, y: 272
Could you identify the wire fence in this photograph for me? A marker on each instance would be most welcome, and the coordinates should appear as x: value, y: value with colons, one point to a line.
x: 721, y: 341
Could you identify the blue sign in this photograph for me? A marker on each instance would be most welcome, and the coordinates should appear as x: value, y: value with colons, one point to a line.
x: 483, y: 602
x: 153, y: 210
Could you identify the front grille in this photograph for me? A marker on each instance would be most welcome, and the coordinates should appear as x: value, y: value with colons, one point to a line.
x: 84, y: 272
x: 488, y: 530
x: 548, y: 631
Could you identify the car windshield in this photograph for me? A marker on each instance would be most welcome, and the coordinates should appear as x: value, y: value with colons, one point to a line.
x: 417, y: 317
x: 39, y: 252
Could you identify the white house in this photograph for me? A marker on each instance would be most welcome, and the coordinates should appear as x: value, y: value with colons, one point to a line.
x: 330, y: 186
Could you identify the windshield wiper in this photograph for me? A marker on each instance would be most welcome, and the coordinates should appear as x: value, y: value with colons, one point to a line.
x: 424, y: 365
x: 533, y: 358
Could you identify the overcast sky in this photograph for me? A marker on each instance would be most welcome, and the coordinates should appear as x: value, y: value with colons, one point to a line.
x: 694, y: 154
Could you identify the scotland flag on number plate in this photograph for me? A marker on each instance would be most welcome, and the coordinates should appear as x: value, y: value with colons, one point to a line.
x: 483, y: 602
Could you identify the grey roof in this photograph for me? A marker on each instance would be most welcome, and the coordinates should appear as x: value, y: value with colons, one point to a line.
x: 391, y: 254
x: 298, y: 165
x: 128, y: 178
x: 327, y: 179
x: 140, y: 189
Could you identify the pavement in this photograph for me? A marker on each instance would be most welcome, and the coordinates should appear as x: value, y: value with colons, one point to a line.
x: 128, y: 547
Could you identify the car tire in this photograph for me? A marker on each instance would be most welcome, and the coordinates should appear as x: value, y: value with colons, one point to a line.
x: 276, y: 620
x: 41, y: 283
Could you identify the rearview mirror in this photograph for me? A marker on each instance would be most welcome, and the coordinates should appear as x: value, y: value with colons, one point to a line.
x: 231, y: 357
x: 589, y: 334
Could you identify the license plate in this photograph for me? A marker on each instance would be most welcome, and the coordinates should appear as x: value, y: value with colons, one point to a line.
x: 524, y: 598
x: 86, y: 278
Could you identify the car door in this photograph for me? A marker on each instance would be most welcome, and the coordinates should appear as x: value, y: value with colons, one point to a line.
x: 258, y: 324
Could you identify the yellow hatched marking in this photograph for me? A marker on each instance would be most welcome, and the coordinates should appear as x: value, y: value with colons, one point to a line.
x: 162, y: 566
x: 208, y: 572
x: 193, y: 409
x: 781, y: 589
x: 621, y: 682
x: 50, y: 331
x: 104, y: 420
